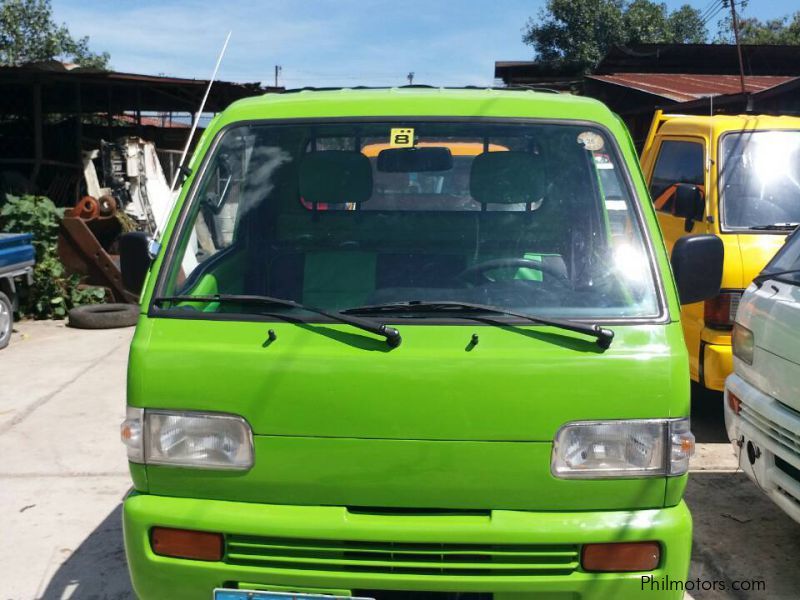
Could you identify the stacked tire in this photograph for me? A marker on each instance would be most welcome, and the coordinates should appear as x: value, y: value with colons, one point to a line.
x: 103, y: 316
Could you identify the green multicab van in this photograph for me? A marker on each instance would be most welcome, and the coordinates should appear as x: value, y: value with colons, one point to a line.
x: 411, y: 343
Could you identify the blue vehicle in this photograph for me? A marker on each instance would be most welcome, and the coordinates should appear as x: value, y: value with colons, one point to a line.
x: 17, y: 257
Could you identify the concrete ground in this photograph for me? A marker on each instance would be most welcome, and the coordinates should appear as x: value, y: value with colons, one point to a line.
x: 63, y: 475
x: 63, y: 471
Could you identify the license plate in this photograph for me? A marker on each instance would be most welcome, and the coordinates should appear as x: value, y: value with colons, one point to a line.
x: 264, y: 595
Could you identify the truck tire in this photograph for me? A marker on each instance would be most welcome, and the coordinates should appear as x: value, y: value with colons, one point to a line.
x: 103, y: 316
x: 6, y: 320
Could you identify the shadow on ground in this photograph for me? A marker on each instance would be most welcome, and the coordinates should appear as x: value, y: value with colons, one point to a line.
x: 708, y: 418
x: 740, y: 535
x: 96, y: 570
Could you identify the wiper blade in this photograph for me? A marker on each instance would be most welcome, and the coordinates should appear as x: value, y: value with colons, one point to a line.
x: 391, y: 334
x: 604, y: 336
x: 762, y: 277
x: 775, y: 227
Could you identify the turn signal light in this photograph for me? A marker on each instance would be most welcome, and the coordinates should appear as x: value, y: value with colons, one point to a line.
x: 720, y: 311
x: 621, y: 556
x: 185, y: 543
x: 734, y: 402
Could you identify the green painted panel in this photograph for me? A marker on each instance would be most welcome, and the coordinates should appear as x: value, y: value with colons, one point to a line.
x: 406, y: 473
x: 158, y: 577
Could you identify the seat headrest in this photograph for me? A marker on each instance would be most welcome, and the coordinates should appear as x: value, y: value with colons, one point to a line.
x: 335, y: 176
x: 506, y: 178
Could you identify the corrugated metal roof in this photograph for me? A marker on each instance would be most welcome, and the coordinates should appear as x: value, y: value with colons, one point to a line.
x: 114, y: 92
x: 684, y: 87
x: 708, y: 59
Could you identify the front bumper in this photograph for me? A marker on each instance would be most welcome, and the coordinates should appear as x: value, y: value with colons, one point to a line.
x: 773, y: 432
x: 271, y: 529
x: 716, y: 364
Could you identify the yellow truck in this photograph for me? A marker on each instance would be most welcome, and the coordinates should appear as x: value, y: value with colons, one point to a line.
x: 734, y: 176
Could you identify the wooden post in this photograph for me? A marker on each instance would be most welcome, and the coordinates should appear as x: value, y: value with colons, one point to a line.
x: 78, y: 139
x: 139, y: 111
x: 109, y: 115
x: 738, y: 45
x: 37, y: 133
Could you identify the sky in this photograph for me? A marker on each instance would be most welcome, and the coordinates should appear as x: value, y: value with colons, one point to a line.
x: 322, y: 42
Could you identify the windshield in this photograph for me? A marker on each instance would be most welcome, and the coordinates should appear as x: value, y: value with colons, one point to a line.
x: 528, y: 217
x: 760, y: 179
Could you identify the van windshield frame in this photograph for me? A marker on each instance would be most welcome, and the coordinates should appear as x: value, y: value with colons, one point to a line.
x: 659, y: 315
x: 785, y: 265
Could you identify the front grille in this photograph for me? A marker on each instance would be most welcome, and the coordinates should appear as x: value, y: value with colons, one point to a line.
x: 464, y: 560
x: 791, y: 411
x: 778, y: 432
x: 789, y: 496
x: 790, y: 470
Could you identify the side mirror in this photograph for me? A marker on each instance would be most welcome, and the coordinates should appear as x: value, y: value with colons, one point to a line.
x: 134, y: 259
x: 697, y: 266
x: 690, y: 203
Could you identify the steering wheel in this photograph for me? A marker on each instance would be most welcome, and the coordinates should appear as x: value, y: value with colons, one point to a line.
x: 470, y: 274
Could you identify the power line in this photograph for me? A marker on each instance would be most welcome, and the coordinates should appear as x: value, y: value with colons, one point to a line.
x: 715, y: 10
x: 704, y: 14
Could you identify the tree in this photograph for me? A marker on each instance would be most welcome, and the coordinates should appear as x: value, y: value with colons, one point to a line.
x: 645, y: 22
x: 578, y: 31
x: 686, y: 26
x: 28, y: 33
x: 582, y: 31
x: 785, y: 30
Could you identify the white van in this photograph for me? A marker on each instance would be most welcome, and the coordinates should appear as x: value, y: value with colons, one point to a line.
x: 762, y: 396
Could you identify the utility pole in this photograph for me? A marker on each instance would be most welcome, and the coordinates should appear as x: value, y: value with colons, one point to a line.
x: 738, y: 45
x: 278, y: 69
x: 410, y: 78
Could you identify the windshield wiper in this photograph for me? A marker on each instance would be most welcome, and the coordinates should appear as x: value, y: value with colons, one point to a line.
x: 762, y: 277
x: 603, y: 336
x: 391, y: 334
x: 775, y: 227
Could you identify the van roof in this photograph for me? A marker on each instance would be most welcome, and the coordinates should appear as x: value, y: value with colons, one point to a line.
x: 677, y: 124
x: 415, y: 101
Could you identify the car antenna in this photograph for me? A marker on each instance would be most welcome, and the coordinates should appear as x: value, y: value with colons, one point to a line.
x: 182, y: 169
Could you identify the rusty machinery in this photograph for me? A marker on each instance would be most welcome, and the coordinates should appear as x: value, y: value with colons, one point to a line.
x: 134, y: 195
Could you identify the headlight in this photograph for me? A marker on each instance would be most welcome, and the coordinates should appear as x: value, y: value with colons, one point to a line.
x: 630, y: 448
x: 743, y: 343
x: 188, y: 439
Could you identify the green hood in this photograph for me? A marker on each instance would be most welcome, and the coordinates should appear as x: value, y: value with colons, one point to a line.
x: 430, y: 422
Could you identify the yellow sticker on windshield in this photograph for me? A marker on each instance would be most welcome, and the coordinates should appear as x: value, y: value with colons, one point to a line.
x: 401, y: 137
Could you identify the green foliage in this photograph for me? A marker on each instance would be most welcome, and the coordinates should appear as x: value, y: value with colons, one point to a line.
x: 785, y: 30
x: 580, y: 32
x: 645, y: 22
x: 53, y: 292
x: 28, y: 33
x: 686, y: 26
x: 32, y: 214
